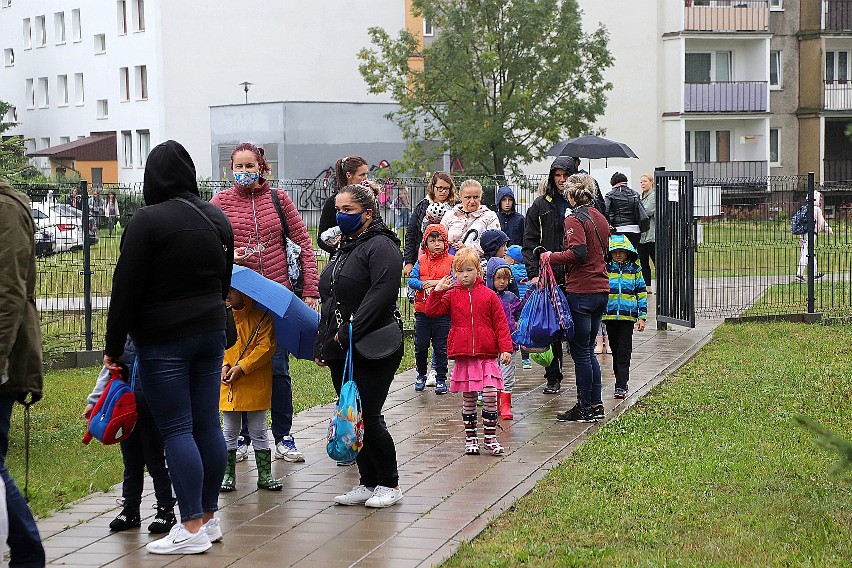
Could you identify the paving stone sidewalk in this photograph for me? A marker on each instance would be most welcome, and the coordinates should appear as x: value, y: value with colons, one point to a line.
x: 449, y: 497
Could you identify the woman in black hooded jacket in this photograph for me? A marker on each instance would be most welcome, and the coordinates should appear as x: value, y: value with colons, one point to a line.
x: 360, y: 285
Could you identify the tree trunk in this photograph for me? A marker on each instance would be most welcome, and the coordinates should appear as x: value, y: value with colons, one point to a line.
x: 499, y: 168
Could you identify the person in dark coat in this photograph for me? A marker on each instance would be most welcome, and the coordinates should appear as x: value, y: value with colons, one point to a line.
x: 511, y: 222
x: 624, y: 210
x: 351, y: 169
x: 441, y: 190
x: 360, y: 286
x: 544, y: 227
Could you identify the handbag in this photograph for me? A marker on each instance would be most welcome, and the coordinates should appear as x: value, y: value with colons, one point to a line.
x: 294, y: 252
x: 346, y: 427
x: 383, y: 342
x: 521, y: 335
x: 558, y: 299
x: 114, y: 416
x: 644, y: 220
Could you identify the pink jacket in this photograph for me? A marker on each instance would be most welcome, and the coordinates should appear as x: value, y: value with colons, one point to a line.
x: 256, y: 224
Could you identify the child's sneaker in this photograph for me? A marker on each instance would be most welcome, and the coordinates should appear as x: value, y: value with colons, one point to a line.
x: 577, y: 414
x: 552, y: 387
x: 163, y: 521
x: 598, y: 411
x: 441, y: 387
x: 479, y: 401
x: 526, y: 364
x: 420, y: 383
x: 128, y: 518
x: 432, y: 378
x: 471, y: 446
x: 620, y: 393
x: 286, y: 449
x: 493, y: 447
x: 242, y: 449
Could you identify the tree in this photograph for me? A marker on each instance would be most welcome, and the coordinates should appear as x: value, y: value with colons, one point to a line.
x: 13, y: 159
x: 501, y: 83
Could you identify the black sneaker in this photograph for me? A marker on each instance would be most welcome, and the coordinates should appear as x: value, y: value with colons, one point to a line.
x: 577, y: 414
x: 553, y: 388
x: 128, y: 518
x: 598, y: 411
x: 163, y: 521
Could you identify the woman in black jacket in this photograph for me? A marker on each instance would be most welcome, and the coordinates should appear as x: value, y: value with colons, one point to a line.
x: 624, y: 210
x: 348, y: 170
x: 360, y: 285
x: 168, y: 292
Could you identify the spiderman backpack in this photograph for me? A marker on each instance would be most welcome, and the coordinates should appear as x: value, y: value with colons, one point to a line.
x: 114, y: 416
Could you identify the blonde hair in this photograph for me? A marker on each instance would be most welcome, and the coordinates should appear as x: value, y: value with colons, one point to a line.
x: 649, y: 177
x: 542, y: 187
x: 467, y: 257
x: 470, y: 183
x: 581, y: 188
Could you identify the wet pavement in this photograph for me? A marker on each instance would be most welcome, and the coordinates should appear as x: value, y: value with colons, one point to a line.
x: 449, y: 497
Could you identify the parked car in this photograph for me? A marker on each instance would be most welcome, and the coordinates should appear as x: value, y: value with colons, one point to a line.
x: 66, y: 211
x: 65, y: 229
x: 45, y: 243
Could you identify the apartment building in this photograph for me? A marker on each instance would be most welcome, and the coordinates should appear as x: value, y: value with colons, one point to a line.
x: 145, y: 71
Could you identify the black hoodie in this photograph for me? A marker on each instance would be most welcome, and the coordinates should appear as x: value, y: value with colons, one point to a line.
x: 173, y: 273
x: 363, y: 276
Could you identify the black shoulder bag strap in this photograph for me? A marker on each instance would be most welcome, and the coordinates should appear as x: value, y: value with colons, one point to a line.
x: 209, y: 222
x: 285, y: 231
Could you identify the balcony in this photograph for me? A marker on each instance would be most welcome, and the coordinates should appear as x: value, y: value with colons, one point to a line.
x: 735, y: 96
x: 838, y: 95
x: 728, y: 170
x: 837, y: 15
x: 837, y: 170
x: 726, y: 16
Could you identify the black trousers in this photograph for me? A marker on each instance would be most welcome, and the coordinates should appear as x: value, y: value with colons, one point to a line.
x: 553, y: 372
x: 144, y: 448
x: 621, y: 342
x: 377, y: 459
x: 647, y: 251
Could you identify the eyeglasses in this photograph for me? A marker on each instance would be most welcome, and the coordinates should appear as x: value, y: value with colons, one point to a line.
x: 442, y: 188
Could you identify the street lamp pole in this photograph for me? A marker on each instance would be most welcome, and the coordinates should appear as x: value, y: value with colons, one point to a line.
x: 246, y: 86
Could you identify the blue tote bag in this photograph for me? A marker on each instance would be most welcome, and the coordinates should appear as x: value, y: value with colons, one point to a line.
x: 346, y: 428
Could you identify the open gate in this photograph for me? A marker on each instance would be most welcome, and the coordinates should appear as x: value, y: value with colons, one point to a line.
x: 675, y: 240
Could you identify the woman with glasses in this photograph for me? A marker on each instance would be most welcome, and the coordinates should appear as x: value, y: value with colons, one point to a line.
x: 441, y: 190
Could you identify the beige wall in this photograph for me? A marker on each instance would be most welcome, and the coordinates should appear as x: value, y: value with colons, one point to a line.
x: 810, y: 14
x: 810, y: 145
x: 811, y: 84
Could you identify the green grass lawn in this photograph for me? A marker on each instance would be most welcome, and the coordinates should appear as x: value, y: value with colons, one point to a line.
x: 829, y: 298
x: 62, y: 469
x: 710, y: 469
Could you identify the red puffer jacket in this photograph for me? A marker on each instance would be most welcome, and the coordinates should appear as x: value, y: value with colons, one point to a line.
x: 478, y: 325
x: 256, y: 224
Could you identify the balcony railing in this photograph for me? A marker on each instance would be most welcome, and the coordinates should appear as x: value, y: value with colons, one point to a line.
x: 737, y: 96
x: 838, y: 95
x: 837, y: 15
x: 728, y: 170
x: 837, y: 170
x: 726, y: 16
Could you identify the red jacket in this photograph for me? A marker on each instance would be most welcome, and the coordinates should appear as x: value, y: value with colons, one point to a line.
x: 478, y: 325
x: 429, y: 268
x: 255, y: 221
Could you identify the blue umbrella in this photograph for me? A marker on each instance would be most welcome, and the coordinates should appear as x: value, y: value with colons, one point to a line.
x: 295, y: 323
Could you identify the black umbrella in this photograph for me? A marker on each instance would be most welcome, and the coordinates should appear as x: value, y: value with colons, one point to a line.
x: 591, y: 147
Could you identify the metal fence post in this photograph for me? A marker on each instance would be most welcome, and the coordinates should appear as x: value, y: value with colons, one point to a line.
x: 87, y: 265
x: 810, y: 236
x: 661, y: 325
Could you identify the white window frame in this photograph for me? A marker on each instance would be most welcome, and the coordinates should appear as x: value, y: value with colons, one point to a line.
x: 103, y: 109
x: 62, y: 90
x: 43, y: 92
x: 121, y: 16
x: 141, y: 75
x: 836, y: 65
x: 776, y: 5
x: 778, y: 61
x: 127, y: 148
x: 30, y: 90
x: 9, y: 57
x: 28, y: 33
x: 713, y: 67
x: 100, y: 44
x: 40, y: 31
x: 5, y: 3
x: 428, y: 28
x: 12, y: 114
x: 45, y: 142
x: 691, y: 142
x: 76, y: 26
x: 138, y: 15
x: 143, y: 138
x: 79, y: 90
x: 124, y: 84
x: 59, y: 28
x: 777, y: 134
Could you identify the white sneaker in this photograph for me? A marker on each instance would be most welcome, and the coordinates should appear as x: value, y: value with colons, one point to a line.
x: 180, y: 541
x: 286, y: 450
x: 384, y: 497
x: 357, y: 496
x: 242, y: 453
x: 214, y: 531
x: 431, y: 378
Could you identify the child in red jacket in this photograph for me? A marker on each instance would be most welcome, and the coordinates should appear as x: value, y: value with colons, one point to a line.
x: 479, y: 335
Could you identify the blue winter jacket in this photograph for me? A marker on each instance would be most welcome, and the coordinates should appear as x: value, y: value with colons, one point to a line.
x: 628, y: 298
x: 511, y: 223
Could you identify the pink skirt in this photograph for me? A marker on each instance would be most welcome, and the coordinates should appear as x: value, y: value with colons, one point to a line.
x: 473, y: 373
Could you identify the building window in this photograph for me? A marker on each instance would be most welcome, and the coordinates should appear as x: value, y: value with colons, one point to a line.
x: 79, y: 94
x: 774, y: 140
x: 775, y: 69
x: 5, y: 3
x: 124, y: 83
x: 62, y: 89
x: 103, y: 108
x: 702, y: 146
x: 141, y: 83
x: 28, y: 34
x: 121, y: 9
x: 40, y: 32
x: 44, y: 142
x: 837, y: 66
x: 139, y: 15
x: 59, y: 27
x: 9, y: 57
x: 43, y: 92
x: 144, y: 138
x: 428, y: 31
x: 127, y: 145
x: 30, y: 94
x: 12, y: 115
x: 76, y: 26
x: 776, y: 5
x: 100, y: 44
x: 708, y: 67
x: 64, y: 140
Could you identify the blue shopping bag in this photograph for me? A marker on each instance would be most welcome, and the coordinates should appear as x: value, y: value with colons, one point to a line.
x: 529, y: 315
x: 346, y: 428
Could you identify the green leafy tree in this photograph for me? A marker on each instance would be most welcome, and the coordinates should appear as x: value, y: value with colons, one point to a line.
x: 502, y: 81
x: 13, y: 160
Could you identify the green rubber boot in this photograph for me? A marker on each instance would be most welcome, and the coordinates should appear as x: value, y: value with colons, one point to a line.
x: 263, y: 458
x: 229, y: 482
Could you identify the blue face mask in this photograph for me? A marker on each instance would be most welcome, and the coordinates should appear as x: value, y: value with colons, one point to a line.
x: 349, y: 222
x: 245, y: 179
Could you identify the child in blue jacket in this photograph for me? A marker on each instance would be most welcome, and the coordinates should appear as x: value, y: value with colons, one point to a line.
x: 515, y: 258
x: 627, y: 306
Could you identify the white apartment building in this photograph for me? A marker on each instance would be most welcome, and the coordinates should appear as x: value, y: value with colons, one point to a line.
x: 149, y: 70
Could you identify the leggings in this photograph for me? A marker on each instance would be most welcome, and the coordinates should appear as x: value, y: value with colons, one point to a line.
x: 256, y: 423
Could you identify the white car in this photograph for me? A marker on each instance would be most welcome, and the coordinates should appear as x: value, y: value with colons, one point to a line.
x: 63, y: 226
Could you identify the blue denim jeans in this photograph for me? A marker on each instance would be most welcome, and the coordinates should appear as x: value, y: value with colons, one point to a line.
x: 435, y: 331
x: 587, y: 311
x: 24, y: 542
x: 181, y: 381
x: 282, y: 394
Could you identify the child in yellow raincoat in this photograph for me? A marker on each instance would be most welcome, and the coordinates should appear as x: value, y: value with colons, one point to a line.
x: 247, y: 388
